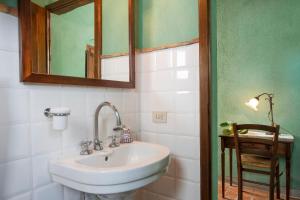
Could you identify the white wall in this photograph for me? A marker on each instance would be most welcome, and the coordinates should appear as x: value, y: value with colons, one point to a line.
x: 167, y: 80
x: 115, y: 68
x: 27, y: 141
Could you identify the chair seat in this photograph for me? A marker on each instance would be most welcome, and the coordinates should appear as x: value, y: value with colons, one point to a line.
x: 255, y: 161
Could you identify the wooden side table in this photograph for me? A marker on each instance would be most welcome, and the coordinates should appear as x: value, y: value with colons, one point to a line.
x: 285, y: 142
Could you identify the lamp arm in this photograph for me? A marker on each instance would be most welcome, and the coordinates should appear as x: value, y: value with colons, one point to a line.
x: 270, y: 95
x: 271, y: 104
x: 270, y: 99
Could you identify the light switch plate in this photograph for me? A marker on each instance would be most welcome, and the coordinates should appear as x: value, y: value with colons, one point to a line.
x: 159, y: 117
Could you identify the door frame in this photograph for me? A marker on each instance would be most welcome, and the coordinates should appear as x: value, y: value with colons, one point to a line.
x: 205, y: 100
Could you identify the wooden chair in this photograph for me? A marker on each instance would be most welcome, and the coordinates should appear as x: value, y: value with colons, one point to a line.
x: 257, y: 156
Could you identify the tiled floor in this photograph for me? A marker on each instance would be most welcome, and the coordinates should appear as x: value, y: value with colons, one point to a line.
x: 249, y: 193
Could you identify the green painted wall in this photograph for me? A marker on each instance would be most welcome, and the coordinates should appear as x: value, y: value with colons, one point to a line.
x: 259, y: 50
x: 214, y: 99
x: 115, y: 26
x: 166, y: 22
x: 70, y: 33
x: 158, y: 22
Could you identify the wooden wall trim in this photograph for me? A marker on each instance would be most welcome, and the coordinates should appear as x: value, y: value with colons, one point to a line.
x: 168, y: 46
x: 8, y: 10
x: 146, y: 50
x: 113, y: 55
x: 205, y: 109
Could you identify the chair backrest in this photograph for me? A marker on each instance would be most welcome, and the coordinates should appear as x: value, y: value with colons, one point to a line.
x: 256, y: 146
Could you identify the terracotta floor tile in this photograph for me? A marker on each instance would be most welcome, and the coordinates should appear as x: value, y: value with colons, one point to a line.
x: 249, y: 193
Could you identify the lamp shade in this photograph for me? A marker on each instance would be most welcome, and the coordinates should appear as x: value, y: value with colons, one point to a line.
x: 253, y: 103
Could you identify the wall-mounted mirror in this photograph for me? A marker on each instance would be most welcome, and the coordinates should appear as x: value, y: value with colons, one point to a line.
x: 81, y: 42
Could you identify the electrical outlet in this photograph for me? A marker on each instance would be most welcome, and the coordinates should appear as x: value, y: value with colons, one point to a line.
x: 159, y: 117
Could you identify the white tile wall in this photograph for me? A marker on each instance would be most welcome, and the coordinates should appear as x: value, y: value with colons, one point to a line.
x: 167, y: 80
x: 14, y: 135
x: 25, y: 196
x: 49, y: 192
x: 27, y: 142
x: 16, y: 177
x: 71, y: 194
x: 115, y: 68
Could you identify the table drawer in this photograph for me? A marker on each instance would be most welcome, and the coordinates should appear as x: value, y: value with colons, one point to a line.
x: 229, y: 143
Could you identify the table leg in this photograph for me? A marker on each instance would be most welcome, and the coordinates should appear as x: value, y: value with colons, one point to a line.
x: 223, y: 167
x: 230, y: 165
x: 288, y: 171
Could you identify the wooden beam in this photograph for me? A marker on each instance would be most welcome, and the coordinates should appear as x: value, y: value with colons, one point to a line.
x: 64, y: 6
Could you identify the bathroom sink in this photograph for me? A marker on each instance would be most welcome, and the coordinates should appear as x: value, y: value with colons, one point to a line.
x: 113, y: 170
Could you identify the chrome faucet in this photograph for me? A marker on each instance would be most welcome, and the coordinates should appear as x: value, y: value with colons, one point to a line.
x: 97, y: 143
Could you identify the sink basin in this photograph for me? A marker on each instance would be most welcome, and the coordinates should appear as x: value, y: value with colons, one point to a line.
x: 116, y: 170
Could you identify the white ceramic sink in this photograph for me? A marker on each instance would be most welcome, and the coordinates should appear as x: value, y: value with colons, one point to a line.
x: 116, y: 170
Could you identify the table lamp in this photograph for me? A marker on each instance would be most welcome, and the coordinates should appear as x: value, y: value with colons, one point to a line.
x: 253, y: 103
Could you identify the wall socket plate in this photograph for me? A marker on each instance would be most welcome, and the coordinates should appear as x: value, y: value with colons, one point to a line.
x: 159, y: 117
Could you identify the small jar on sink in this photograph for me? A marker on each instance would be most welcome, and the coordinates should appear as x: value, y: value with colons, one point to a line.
x: 126, y: 136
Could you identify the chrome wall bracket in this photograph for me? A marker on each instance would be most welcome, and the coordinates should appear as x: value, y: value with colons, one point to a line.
x: 61, y: 112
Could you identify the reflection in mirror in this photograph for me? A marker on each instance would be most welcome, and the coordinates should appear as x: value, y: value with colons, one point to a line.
x: 63, y: 41
x: 115, y: 40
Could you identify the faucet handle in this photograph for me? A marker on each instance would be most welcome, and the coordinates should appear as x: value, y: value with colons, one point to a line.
x: 98, y: 145
x: 114, y: 143
x: 85, y: 147
x: 85, y: 144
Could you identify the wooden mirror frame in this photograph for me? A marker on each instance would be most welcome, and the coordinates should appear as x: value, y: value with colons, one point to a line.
x: 27, y: 50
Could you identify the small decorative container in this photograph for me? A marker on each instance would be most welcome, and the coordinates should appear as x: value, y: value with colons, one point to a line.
x: 126, y: 136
